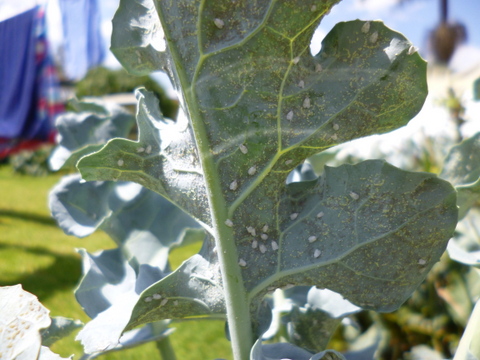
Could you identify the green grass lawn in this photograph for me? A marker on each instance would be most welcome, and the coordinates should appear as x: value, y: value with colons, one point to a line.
x: 34, y: 252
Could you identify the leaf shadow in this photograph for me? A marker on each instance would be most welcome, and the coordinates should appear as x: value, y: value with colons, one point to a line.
x: 62, y: 274
x: 23, y: 215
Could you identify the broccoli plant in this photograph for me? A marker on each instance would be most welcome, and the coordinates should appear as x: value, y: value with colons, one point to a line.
x: 255, y: 103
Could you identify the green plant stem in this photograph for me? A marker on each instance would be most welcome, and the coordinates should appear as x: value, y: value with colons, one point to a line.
x: 238, y: 313
x: 165, y: 348
x: 237, y: 305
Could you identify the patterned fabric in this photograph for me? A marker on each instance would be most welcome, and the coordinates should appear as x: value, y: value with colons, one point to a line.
x: 49, y: 101
x: 29, y: 99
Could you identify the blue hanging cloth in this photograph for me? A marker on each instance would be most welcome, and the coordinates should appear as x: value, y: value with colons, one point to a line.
x: 84, y: 47
x: 18, y: 68
x: 29, y: 97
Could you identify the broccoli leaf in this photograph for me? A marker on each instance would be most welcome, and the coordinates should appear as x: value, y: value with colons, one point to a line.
x: 254, y: 105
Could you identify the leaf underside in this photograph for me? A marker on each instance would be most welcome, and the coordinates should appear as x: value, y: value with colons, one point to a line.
x: 256, y: 103
x: 164, y: 159
x: 142, y: 223
x: 462, y: 169
x: 357, y: 230
x: 265, y: 102
x: 85, y: 130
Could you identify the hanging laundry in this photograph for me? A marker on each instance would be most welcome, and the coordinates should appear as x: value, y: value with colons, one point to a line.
x: 17, y: 73
x: 29, y: 91
x: 49, y: 102
x: 83, y: 47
